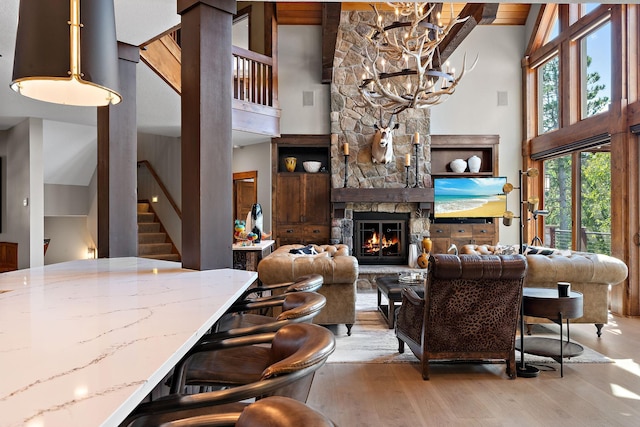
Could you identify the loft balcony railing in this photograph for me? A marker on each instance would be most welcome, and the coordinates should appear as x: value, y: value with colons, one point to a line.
x: 254, y: 82
x: 253, y: 75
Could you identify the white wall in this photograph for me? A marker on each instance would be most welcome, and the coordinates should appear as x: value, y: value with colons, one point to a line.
x: 24, y: 224
x: 3, y: 184
x: 474, y: 109
x: 66, y: 200
x: 70, y: 238
x: 299, y: 71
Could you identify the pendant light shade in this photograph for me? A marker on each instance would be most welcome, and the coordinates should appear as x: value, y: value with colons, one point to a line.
x: 66, y: 52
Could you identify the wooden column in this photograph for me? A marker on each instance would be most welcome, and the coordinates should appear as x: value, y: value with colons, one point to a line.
x: 625, y: 298
x: 207, y: 219
x: 117, y: 177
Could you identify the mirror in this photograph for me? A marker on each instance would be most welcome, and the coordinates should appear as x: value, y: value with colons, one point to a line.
x: 245, y: 193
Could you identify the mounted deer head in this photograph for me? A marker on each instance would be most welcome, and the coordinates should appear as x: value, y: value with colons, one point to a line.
x: 382, y: 147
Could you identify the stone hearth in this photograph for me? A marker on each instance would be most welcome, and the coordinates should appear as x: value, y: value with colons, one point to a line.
x: 373, y: 187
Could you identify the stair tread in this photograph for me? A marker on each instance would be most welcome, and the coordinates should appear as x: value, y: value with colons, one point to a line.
x: 151, y: 241
x: 166, y: 257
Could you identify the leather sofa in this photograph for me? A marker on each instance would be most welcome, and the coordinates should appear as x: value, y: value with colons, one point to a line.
x: 339, y: 271
x: 589, y: 273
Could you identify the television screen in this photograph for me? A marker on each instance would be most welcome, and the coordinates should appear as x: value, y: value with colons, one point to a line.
x: 469, y: 197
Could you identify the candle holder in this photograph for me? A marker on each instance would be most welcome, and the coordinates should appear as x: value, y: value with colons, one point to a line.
x: 346, y: 165
x: 407, y: 175
x: 417, y: 165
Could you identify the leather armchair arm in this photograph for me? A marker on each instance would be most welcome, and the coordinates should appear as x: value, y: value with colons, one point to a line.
x: 258, y: 303
x: 249, y: 330
x: 210, y: 343
x: 175, y: 402
x: 411, y: 297
x: 264, y: 288
x: 410, y: 315
x: 228, y: 419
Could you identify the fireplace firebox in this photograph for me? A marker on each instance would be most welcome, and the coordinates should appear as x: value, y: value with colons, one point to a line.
x: 380, y: 238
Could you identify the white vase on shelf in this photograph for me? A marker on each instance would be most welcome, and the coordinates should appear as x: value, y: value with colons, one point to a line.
x: 474, y: 163
x: 458, y: 165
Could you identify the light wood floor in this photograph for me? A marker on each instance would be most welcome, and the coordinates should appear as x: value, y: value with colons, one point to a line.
x: 395, y: 395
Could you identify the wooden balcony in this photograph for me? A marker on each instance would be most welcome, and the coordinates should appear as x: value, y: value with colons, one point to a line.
x: 255, y: 101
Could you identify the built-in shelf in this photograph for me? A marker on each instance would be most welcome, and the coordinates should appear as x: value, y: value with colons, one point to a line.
x: 382, y: 195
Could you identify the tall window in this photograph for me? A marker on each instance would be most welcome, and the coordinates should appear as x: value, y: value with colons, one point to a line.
x: 593, y: 203
x: 595, y: 71
x: 588, y: 8
x: 555, y: 28
x: 548, y: 95
x: 557, y: 200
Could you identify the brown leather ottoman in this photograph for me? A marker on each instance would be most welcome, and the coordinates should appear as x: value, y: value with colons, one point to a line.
x: 391, y: 287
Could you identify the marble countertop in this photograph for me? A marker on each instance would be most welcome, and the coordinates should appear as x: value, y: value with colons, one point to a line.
x: 83, y: 342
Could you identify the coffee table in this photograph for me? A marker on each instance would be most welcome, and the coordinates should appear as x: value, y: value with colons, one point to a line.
x: 542, y: 302
x: 392, y: 287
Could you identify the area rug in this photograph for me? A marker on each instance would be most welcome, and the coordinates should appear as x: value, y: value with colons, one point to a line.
x: 371, y: 341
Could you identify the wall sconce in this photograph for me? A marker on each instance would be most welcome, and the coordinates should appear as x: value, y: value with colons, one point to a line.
x: 67, y: 52
x: 154, y: 199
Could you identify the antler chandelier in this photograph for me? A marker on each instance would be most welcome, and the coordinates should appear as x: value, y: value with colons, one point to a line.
x: 402, y: 61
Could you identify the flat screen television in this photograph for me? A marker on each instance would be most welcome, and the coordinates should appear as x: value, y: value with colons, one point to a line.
x: 460, y: 197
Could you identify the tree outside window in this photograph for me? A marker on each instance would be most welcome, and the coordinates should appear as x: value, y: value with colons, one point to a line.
x: 594, y: 200
x: 596, y: 71
x: 549, y: 96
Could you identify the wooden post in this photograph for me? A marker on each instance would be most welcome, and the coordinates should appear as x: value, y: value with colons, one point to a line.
x: 117, y: 176
x: 207, y: 219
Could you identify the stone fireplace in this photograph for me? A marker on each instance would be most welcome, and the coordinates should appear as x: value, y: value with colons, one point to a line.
x: 373, y: 188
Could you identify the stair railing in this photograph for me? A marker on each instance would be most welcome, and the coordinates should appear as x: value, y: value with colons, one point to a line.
x: 150, y: 186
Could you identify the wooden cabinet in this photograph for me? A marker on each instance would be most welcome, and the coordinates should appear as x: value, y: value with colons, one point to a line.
x: 443, y: 235
x: 8, y: 256
x: 301, y: 200
x: 444, y: 149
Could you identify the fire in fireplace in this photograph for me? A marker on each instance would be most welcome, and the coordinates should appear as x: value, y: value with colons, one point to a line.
x: 380, y: 238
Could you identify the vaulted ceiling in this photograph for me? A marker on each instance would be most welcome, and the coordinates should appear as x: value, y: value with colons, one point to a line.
x: 307, y: 13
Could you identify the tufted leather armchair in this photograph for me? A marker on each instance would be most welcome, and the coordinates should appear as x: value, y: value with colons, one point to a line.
x: 338, y: 269
x: 469, y: 312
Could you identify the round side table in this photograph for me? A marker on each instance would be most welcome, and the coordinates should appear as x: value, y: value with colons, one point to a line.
x: 542, y: 302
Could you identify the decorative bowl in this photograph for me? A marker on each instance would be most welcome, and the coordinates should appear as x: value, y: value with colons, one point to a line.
x: 311, y: 166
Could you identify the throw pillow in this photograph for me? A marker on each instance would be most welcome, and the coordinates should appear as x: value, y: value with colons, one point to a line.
x: 506, y: 249
x: 533, y: 250
x: 307, y: 250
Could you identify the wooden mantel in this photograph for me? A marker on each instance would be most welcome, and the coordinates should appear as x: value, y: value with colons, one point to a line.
x: 382, y: 195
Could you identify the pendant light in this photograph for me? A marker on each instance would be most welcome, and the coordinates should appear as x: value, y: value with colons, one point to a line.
x: 66, y: 52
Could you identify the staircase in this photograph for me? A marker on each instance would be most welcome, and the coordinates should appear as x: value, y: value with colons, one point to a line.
x: 153, y: 241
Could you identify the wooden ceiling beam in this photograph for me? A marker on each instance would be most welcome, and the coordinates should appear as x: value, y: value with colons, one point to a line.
x: 330, y: 23
x: 478, y: 14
